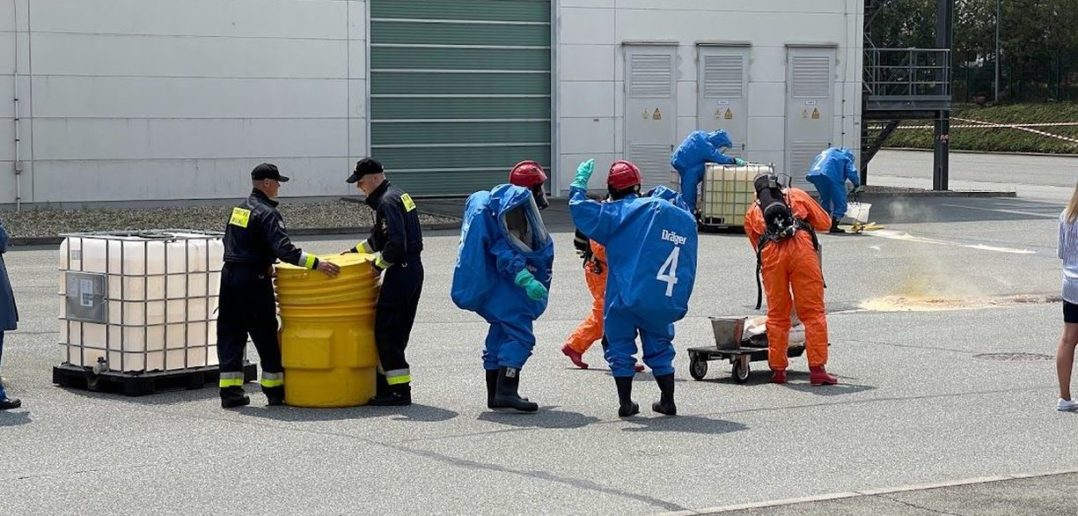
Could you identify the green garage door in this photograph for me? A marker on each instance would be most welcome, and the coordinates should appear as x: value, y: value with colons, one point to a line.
x: 460, y: 91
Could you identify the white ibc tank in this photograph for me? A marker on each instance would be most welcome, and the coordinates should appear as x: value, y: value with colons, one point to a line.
x: 140, y: 301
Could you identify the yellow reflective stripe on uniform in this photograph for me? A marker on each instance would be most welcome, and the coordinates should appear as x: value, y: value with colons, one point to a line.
x: 272, y: 379
x: 398, y: 376
x: 364, y: 247
x: 409, y: 204
x: 240, y: 217
x: 307, y: 260
x: 230, y: 380
x: 381, y: 262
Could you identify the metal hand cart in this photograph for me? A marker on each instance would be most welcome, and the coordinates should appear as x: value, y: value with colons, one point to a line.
x: 731, y: 345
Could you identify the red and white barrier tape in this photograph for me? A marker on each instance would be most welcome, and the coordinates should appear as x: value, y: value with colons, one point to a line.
x: 978, y: 124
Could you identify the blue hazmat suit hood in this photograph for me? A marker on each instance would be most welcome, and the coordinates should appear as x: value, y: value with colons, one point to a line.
x: 719, y: 139
x: 501, y: 234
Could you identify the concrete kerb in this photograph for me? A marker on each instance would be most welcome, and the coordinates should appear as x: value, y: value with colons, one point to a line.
x: 938, y: 193
x: 867, y: 493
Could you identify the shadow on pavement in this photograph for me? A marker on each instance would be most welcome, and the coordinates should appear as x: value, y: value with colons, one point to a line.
x: 682, y: 424
x: 15, y: 418
x: 547, y: 417
x: 413, y: 412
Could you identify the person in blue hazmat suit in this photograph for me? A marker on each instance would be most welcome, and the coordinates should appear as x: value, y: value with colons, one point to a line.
x: 503, y: 273
x: 691, y: 157
x: 829, y: 173
x: 651, y: 248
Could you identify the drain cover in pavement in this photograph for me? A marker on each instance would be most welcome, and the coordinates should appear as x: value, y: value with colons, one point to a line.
x: 1015, y: 357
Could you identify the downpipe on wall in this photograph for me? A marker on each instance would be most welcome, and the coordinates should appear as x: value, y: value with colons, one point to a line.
x: 17, y: 164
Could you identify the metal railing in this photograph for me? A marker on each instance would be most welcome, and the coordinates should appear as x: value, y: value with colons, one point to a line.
x: 908, y: 78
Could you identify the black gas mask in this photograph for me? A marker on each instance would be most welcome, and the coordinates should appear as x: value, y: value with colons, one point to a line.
x: 777, y: 215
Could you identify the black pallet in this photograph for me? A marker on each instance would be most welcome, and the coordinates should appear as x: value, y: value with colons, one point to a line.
x: 141, y: 384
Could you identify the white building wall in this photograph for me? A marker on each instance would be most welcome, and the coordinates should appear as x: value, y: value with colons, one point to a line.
x: 158, y: 99
x: 590, y: 68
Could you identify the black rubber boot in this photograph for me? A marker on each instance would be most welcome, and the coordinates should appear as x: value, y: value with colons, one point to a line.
x: 395, y: 396
x: 274, y: 395
x: 505, y: 395
x: 233, y: 397
x: 492, y: 386
x: 625, y: 396
x: 835, y: 228
x: 665, y: 405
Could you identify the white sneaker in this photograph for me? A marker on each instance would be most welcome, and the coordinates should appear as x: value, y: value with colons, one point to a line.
x: 1066, y: 405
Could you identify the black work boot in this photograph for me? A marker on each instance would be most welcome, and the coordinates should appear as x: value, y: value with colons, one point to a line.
x: 9, y: 403
x: 395, y: 396
x: 625, y: 394
x: 274, y: 395
x: 233, y: 397
x: 665, y: 405
x: 835, y: 228
x: 505, y: 394
x: 492, y: 386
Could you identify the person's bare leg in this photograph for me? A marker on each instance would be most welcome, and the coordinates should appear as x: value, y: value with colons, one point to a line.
x: 1065, y: 359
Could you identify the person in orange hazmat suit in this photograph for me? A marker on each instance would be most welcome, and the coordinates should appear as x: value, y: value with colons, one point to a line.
x: 591, y: 328
x: 781, y: 226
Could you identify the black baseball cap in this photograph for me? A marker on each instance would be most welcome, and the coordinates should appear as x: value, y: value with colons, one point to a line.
x: 267, y: 171
x: 363, y: 167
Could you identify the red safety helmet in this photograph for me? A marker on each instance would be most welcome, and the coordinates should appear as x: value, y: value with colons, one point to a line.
x: 623, y: 175
x: 528, y: 174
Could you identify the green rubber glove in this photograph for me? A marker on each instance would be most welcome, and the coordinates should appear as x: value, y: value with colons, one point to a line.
x: 740, y: 162
x: 583, y: 174
x: 527, y: 281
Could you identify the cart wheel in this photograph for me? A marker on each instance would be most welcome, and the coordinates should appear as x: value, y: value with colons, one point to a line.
x: 697, y: 367
x: 741, y: 369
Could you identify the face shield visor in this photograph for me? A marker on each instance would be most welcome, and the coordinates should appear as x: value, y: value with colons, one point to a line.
x: 524, y: 227
x: 539, y: 196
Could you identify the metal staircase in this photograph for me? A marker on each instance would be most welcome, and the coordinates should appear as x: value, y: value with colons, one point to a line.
x: 907, y: 84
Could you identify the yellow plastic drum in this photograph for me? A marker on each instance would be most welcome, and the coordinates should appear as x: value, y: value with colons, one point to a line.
x: 327, y: 333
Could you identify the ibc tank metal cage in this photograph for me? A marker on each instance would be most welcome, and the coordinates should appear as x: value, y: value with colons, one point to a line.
x: 140, y: 301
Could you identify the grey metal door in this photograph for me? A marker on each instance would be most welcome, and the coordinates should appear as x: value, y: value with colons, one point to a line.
x: 810, y: 86
x: 722, y: 93
x: 651, y: 110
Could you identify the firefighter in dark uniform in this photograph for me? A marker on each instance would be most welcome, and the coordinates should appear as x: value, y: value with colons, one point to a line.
x: 396, y: 241
x: 255, y: 238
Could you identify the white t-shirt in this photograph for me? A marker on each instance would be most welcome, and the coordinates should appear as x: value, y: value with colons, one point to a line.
x: 1068, y: 252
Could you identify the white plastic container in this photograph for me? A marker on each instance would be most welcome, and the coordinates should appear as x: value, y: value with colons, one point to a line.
x: 140, y: 301
x: 857, y: 212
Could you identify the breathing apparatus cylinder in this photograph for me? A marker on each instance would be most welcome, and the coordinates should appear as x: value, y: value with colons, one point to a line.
x: 777, y: 215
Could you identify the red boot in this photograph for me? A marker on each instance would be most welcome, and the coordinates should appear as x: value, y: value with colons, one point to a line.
x: 778, y: 376
x: 577, y: 358
x: 819, y: 376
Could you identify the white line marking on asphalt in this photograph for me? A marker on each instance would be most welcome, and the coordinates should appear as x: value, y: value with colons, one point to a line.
x: 1009, y: 212
x: 902, y: 235
x: 873, y: 492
